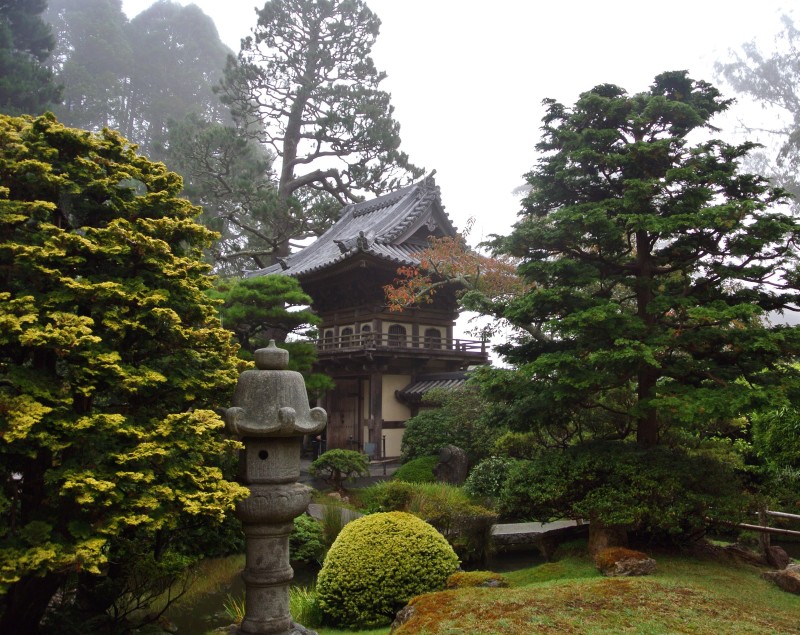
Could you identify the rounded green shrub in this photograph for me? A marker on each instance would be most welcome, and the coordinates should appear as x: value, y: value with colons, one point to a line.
x: 487, y: 478
x: 417, y: 470
x: 377, y: 564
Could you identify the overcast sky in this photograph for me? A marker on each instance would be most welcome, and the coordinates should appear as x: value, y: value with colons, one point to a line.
x: 467, y: 78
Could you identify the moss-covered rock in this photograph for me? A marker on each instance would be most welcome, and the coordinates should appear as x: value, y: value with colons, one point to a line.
x: 620, y: 561
x: 466, y: 579
x: 377, y: 564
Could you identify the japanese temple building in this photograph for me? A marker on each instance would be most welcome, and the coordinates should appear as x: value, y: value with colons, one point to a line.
x: 382, y: 361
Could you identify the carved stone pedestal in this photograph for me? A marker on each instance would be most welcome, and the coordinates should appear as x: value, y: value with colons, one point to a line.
x: 271, y: 414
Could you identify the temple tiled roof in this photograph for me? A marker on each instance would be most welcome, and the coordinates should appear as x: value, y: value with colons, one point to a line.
x: 415, y: 391
x: 382, y: 227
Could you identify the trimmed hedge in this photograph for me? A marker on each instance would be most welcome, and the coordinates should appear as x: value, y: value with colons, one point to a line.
x: 417, y: 470
x: 377, y: 564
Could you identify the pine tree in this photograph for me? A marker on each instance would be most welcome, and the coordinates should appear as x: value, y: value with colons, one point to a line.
x: 306, y: 86
x: 654, y: 266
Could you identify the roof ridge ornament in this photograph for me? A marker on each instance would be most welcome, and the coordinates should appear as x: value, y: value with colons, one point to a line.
x: 362, y: 242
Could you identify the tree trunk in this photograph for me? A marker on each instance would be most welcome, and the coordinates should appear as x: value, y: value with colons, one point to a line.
x: 647, y: 377
x: 602, y: 536
x: 26, y: 602
x: 647, y: 423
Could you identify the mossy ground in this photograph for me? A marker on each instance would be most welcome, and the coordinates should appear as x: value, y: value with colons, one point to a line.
x: 686, y: 595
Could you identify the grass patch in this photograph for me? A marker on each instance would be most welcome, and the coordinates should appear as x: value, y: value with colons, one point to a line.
x: 336, y: 631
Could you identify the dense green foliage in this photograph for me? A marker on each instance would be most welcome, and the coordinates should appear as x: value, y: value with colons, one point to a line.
x: 111, y: 360
x: 306, y: 542
x: 377, y: 564
x: 266, y: 308
x: 337, y: 466
x: 465, y: 525
x: 26, y: 84
x: 518, y: 445
x: 653, y: 264
x: 231, y: 177
x: 151, y: 77
x: 458, y: 417
x: 419, y: 470
x: 306, y: 86
x: 666, y: 492
x: 776, y: 444
x: 387, y: 496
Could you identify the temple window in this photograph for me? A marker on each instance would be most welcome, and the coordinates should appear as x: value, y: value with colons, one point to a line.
x: 397, y: 335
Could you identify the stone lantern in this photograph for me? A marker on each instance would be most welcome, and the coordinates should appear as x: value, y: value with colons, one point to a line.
x: 271, y: 414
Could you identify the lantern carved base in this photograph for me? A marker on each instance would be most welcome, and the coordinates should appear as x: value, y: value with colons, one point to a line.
x: 271, y: 414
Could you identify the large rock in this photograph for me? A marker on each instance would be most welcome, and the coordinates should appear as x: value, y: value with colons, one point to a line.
x: 777, y: 557
x: 619, y: 561
x: 453, y: 465
x: 787, y: 579
x: 403, y: 615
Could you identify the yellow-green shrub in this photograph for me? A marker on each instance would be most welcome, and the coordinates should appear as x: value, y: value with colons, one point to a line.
x: 377, y: 564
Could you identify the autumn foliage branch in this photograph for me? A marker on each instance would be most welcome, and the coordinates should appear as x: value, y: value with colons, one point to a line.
x: 448, y: 260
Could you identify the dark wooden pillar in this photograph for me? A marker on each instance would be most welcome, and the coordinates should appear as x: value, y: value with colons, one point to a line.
x: 376, y: 412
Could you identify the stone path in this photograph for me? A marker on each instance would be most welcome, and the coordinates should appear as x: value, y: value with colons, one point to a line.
x: 507, y: 529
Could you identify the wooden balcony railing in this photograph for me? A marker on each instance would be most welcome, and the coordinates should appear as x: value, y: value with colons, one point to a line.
x: 392, y: 341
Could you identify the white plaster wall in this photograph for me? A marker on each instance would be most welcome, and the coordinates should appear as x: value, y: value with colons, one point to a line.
x: 392, y: 409
x: 394, y: 438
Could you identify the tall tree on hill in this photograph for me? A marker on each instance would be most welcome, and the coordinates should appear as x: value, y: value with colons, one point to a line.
x: 135, y: 76
x: 306, y: 86
x: 177, y: 59
x: 653, y: 266
x: 26, y: 83
x: 231, y: 177
x: 773, y: 80
x: 92, y: 59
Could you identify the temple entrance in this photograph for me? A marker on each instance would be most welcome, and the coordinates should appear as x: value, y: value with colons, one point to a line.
x: 343, y: 426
